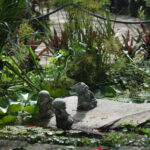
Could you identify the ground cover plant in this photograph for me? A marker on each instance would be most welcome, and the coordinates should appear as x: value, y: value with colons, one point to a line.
x: 104, y: 140
x: 85, y: 50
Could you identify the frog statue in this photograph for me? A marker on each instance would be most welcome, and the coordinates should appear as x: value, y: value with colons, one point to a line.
x: 86, y: 99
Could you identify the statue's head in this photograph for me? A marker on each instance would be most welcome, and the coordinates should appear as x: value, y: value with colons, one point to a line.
x: 59, y: 104
x: 43, y: 95
x: 80, y: 87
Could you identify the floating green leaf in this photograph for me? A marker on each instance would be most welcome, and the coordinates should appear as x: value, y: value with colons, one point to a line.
x: 14, y: 108
x: 7, y: 119
x: 29, y: 109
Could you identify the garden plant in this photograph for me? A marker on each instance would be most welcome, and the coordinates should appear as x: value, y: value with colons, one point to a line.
x: 85, y: 49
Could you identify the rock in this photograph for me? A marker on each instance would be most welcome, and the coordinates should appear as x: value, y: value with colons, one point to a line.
x: 107, y: 113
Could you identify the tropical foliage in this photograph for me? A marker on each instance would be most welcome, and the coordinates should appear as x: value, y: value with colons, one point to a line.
x: 81, y: 51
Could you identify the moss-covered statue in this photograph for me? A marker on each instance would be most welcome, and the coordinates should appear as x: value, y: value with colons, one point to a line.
x: 86, y: 99
x: 45, y: 105
x: 63, y: 119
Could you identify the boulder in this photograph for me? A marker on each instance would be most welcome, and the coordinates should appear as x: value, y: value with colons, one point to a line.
x: 108, y: 113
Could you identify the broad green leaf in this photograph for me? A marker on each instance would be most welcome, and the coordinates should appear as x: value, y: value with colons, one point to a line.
x: 4, y: 102
x: 25, y: 96
x: 33, y: 57
x: 29, y: 109
x: 13, y: 108
x: 2, y: 111
x: 108, y: 91
x: 59, y: 93
x: 32, y: 102
x: 7, y: 119
x: 16, y: 88
x: 20, y: 97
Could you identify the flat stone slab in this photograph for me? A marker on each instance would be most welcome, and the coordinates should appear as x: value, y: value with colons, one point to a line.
x: 107, y: 113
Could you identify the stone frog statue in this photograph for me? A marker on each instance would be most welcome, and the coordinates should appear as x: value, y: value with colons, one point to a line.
x: 63, y: 119
x: 86, y: 99
x: 45, y: 105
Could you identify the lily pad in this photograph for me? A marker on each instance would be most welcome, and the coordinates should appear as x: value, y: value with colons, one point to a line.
x: 7, y: 119
x: 13, y: 108
x: 29, y: 109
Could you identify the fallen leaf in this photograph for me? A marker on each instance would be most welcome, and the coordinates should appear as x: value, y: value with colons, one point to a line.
x: 98, y: 148
x: 100, y: 130
x: 138, y: 122
x: 32, y: 127
x: 104, y: 117
x: 97, y: 130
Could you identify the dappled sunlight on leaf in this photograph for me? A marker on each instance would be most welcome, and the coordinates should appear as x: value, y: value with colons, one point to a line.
x: 2, y: 111
x: 29, y: 109
x: 13, y: 108
x: 7, y: 119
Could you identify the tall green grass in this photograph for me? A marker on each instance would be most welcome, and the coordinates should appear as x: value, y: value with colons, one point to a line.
x: 11, y: 15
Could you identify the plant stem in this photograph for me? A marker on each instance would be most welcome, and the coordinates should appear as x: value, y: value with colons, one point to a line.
x: 31, y: 85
